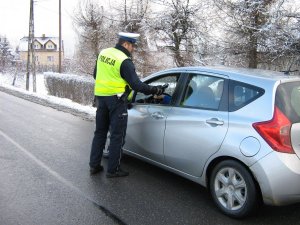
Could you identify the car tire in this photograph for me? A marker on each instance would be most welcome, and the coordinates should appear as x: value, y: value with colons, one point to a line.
x: 233, y: 189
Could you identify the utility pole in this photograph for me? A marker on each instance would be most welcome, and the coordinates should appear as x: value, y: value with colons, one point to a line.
x: 31, y: 50
x: 60, y: 42
x: 29, y: 45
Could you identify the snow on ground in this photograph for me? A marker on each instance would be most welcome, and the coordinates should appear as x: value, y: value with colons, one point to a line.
x: 41, y: 96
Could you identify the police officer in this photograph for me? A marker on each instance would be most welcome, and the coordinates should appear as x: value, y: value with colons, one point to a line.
x: 114, y: 73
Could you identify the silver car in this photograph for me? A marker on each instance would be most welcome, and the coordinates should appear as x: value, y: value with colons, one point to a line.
x: 235, y: 131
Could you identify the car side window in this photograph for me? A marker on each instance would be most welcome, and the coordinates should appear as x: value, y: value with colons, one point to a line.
x: 170, y: 79
x: 203, y: 92
x: 241, y: 94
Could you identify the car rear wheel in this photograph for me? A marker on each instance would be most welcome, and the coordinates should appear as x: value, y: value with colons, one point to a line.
x: 233, y: 189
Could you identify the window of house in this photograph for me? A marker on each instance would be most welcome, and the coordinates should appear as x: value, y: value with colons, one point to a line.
x: 50, y: 58
x: 36, y: 58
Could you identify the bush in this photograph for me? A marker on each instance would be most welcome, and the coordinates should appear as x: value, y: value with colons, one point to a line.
x: 79, y: 89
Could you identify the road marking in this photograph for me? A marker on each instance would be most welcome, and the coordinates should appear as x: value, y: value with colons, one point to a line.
x: 108, y: 213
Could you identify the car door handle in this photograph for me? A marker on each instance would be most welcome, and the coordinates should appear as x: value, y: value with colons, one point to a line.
x: 157, y: 115
x: 215, y: 121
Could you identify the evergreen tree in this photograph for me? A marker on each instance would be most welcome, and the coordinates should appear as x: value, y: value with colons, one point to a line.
x: 5, y: 54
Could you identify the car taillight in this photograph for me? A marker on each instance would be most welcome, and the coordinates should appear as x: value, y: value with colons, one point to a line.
x: 276, y: 132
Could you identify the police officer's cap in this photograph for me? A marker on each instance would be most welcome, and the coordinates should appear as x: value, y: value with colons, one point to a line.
x: 130, y: 37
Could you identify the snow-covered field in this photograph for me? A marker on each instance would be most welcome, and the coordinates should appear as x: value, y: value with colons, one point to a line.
x: 41, y: 96
x: 8, y: 80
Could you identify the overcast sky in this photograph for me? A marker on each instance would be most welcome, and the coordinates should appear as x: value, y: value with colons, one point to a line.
x: 14, y: 19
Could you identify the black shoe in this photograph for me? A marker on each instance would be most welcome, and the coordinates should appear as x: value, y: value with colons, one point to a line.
x: 95, y: 170
x: 118, y: 173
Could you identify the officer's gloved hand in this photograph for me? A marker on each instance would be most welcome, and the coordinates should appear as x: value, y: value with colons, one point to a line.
x: 160, y: 89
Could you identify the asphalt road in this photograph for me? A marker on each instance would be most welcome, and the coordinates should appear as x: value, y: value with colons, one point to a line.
x: 44, y: 179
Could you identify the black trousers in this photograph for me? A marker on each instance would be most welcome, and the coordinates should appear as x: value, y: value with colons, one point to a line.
x: 111, y: 116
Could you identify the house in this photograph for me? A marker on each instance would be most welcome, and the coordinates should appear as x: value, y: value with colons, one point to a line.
x: 46, y: 50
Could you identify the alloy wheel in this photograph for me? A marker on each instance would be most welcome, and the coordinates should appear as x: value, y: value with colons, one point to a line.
x: 230, y: 188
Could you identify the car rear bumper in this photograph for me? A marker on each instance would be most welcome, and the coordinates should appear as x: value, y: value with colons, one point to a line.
x: 278, y: 175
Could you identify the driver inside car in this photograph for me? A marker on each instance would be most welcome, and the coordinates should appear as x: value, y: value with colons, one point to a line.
x: 163, y: 99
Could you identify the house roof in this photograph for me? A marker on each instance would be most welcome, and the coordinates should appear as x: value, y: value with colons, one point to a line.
x: 42, y: 40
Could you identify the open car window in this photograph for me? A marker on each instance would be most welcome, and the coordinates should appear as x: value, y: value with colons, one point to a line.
x: 166, y: 98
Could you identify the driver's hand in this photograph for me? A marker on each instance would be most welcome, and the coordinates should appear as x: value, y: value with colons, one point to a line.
x: 158, y: 96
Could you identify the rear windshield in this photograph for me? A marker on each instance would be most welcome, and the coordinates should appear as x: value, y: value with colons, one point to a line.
x: 288, y: 100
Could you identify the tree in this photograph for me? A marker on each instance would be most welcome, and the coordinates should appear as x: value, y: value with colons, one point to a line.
x: 177, y: 24
x: 254, y: 30
x: 243, y: 20
x: 6, y: 57
x: 283, y: 42
x: 93, y: 34
x: 133, y: 16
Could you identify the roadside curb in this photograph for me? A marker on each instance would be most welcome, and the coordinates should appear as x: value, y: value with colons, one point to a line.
x: 46, y: 101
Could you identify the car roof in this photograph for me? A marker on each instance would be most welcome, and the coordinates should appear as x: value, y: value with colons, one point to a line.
x: 233, y: 72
